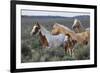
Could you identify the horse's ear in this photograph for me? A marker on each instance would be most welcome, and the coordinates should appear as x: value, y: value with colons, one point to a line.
x: 38, y: 24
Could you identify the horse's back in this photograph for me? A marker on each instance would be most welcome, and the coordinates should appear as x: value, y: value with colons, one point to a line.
x: 56, y: 40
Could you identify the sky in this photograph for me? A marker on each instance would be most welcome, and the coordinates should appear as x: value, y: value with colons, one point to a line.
x: 51, y: 13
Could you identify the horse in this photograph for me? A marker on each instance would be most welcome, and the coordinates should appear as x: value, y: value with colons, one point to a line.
x: 70, y: 39
x: 47, y: 40
x: 78, y: 27
x: 87, y: 29
x: 69, y: 45
x: 58, y: 29
x: 81, y: 38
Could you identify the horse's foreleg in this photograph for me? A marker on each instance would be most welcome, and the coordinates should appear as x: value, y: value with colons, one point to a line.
x: 72, y: 52
x: 66, y: 49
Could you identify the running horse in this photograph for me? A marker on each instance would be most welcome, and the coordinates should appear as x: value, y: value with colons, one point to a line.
x: 47, y: 40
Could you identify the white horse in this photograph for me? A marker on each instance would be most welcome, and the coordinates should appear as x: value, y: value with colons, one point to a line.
x: 46, y: 38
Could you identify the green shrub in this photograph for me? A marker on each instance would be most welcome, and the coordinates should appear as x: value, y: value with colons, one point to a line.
x: 82, y: 52
x: 68, y: 57
x: 25, y: 52
x: 35, y: 42
x: 54, y: 58
x: 35, y: 56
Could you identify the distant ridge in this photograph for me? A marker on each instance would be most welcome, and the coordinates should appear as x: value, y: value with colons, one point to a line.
x: 78, y: 17
x: 45, y: 20
x: 44, y: 16
x: 82, y: 17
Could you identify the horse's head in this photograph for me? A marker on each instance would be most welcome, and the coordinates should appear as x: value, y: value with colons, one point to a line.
x: 56, y: 29
x: 76, y: 25
x: 35, y: 29
x: 68, y: 40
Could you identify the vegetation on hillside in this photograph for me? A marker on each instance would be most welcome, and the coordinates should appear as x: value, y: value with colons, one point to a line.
x: 31, y: 50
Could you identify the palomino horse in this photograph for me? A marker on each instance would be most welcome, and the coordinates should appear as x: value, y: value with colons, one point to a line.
x: 58, y: 29
x: 81, y: 38
x: 78, y: 27
x: 81, y: 31
x: 46, y: 38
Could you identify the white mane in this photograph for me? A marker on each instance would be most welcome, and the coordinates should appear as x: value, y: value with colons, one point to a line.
x: 77, y: 21
x: 53, y: 40
x: 44, y: 31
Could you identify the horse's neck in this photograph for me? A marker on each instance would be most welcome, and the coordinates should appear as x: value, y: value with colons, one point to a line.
x: 70, y: 32
x: 81, y: 28
x: 43, y: 40
x: 45, y: 32
x: 67, y: 30
x: 40, y: 34
x: 42, y: 37
x: 64, y: 27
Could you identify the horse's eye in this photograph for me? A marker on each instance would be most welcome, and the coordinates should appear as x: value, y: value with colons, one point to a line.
x: 37, y: 28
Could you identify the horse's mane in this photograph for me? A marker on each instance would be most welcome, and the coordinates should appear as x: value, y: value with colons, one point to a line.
x: 62, y: 26
x: 78, y: 22
x: 68, y: 30
x: 49, y: 36
x: 44, y: 30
